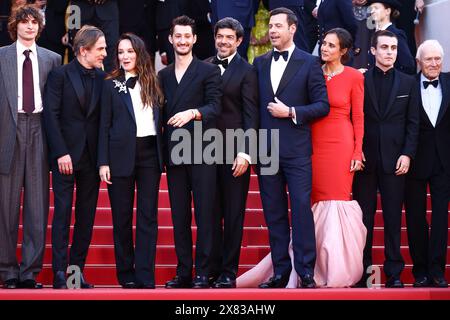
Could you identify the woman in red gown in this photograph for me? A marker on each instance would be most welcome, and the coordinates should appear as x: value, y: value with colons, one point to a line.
x: 337, y: 154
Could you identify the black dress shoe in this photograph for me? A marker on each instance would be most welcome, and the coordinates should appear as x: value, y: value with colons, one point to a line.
x: 421, y: 282
x: 225, y: 282
x: 130, y: 285
x: 84, y: 284
x: 59, y: 280
x: 394, y: 282
x: 308, y: 281
x: 30, y: 284
x: 11, y: 284
x: 147, y: 286
x: 277, y: 281
x: 200, y: 282
x: 179, y: 283
x: 439, y: 282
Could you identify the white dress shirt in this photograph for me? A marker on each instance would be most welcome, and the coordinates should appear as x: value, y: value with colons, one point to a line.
x: 229, y: 58
x: 36, y: 88
x: 144, y: 116
x: 431, y: 99
x: 277, y: 69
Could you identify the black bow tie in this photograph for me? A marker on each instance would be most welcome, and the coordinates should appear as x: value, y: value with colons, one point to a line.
x: 89, y: 72
x: 131, y: 82
x: 434, y: 83
x: 277, y: 54
x: 223, y: 62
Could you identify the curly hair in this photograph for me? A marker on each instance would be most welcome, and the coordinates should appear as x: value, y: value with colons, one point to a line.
x: 22, y: 14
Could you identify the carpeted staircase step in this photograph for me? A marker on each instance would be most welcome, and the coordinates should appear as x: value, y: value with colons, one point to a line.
x: 252, y: 236
x: 105, y: 275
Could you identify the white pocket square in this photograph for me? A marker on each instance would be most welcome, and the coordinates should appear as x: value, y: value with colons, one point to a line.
x: 404, y: 96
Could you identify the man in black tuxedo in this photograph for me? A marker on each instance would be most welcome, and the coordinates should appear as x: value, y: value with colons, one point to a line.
x: 192, y: 89
x: 239, y: 111
x: 103, y: 14
x: 430, y: 167
x: 71, y: 119
x: 391, y: 128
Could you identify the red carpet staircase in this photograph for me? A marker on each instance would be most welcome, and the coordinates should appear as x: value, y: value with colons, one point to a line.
x: 100, y: 267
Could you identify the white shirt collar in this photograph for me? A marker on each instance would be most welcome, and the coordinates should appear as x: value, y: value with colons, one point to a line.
x: 128, y: 75
x: 21, y: 48
x: 385, y: 26
x: 229, y: 58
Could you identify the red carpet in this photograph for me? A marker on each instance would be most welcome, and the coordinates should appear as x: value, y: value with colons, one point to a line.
x: 100, y: 268
x: 232, y: 294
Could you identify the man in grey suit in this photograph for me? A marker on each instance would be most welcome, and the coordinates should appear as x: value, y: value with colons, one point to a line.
x: 24, y: 67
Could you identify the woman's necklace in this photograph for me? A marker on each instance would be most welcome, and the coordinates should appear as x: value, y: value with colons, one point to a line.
x: 332, y: 74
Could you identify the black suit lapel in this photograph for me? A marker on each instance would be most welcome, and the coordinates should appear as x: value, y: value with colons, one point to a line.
x: 445, y: 99
x: 232, y: 67
x: 185, y: 82
x: 295, y: 63
x: 370, y: 85
x: 394, y: 91
x: 75, y: 78
x: 265, y: 70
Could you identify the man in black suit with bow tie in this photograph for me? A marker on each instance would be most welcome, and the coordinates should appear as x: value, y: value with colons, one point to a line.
x: 391, y: 128
x: 430, y: 167
x: 71, y: 119
x: 239, y: 112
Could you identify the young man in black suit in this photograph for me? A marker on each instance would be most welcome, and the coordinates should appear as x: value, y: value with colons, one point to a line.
x: 192, y: 89
x: 430, y: 167
x: 239, y: 111
x: 391, y: 128
x: 71, y: 119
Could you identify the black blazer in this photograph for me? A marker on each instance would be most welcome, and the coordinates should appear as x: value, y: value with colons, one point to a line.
x: 68, y: 126
x: 200, y: 88
x: 336, y: 14
x: 117, y: 136
x: 395, y: 132
x: 433, y: 141
x: 240, y: 108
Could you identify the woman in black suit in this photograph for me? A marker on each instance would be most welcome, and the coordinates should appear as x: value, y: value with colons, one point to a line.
x: 129, y: 155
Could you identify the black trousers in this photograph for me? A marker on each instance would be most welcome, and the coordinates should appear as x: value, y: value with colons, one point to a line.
x: 428, y: 249
x: 230, y: 208
x: 86, y: 179
x: 391, y: 187
x: 201, y: 181
x: 136, y: 264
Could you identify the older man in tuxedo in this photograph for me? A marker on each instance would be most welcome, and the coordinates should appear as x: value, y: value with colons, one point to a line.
x: 431, y: 167
x: 24, y: 67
